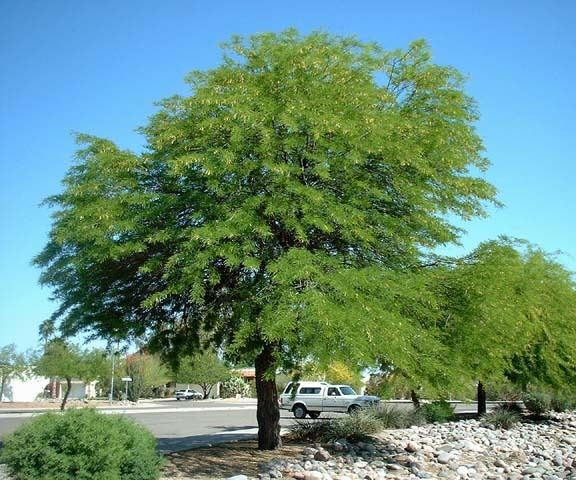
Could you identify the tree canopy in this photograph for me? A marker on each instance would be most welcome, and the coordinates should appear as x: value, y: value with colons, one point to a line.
x: 280, y: 207
x: 62, y: 359
x: 12, y: 365
x: 203, y: 369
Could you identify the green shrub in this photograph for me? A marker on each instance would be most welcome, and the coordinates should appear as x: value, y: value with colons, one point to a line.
x: 81, y: 445
x: 235, y: 385
x: 501, y: 418
x: 509, y: 407
x: 560, y: 403
x: 391, y: 417
x: 537, y: 403
x: 440, y: 411
x: 358, y: 426
x: 311, y: 431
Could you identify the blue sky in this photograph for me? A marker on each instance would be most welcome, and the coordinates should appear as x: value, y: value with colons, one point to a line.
x: 98, y: 68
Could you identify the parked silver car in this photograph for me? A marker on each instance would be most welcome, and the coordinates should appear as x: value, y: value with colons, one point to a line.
x: 188, y: 394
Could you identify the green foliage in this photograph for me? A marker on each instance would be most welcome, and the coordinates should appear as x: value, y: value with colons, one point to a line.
x: 537, y: 403
x: 503, y: 391
x: 391, y: 417
x: 439, y: 411
x: 561, y: 403
x: 287, y: 204
x: 81, y: 445
x: 148, y: 374
x: 65, y: 360
x: 12, y: 365
x: 204, y: 369
x: 501, y: 418
x: 235, y: 385
x: 358, y: 426
x: 281, y: 381
x: 284, y: 202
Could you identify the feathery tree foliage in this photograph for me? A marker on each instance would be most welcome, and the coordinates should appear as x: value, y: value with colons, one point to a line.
x: 148, y: 373
x: 12, y: 365
x: 280, y: 207
x: 203, y: 369
x: 507, y: 311
x: 62, y: 359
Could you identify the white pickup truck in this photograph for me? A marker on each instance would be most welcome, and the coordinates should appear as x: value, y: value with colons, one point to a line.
x: 313, y: 398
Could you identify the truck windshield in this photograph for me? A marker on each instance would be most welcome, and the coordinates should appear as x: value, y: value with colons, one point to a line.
x: 347, y: 391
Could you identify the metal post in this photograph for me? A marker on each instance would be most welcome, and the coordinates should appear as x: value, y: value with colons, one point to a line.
x: 112, y: 381
x: 126, y: 391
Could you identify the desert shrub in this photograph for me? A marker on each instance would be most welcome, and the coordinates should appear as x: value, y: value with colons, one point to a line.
x: 537, y: 403
x: 559, y: 403
x: 358, y: 426
x: 311, y: 431
x: 235, y: 385
x: 514, y: 407
x: 504, y: 390
x: 501, y: 418
x: 81, y: 445
x: 391, y: 417
x: 439, y: 411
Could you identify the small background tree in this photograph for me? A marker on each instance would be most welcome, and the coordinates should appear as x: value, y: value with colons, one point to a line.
x: 148, y: 373
x: 12, y: 365
x: 204, y: 369
x: 65, y: 360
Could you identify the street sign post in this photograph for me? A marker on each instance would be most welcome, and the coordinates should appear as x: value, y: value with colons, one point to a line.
x: 126, y: 380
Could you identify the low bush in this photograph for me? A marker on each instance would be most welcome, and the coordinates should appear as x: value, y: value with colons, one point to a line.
x: 501, y: 418
x: 440, y: 411
x: 537, y: 403
x: 81, y: 445
x: 560, y: 403
x: 235, y: 385
x: 509, y: 407
x: 391, y: 417
x: 358, y: 426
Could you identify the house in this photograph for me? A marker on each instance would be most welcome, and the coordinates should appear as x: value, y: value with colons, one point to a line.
x: 33, y: 387
x: 26, y: 389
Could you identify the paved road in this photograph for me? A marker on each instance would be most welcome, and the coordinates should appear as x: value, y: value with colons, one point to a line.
x: 188, y: 424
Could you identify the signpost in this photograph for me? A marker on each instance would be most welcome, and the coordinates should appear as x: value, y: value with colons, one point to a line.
x: 126, y: 380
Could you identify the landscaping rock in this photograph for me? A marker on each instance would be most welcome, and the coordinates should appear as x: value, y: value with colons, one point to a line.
x: 453, y: 451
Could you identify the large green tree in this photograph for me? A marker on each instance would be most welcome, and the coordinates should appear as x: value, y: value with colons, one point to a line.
x: 507, y: 311
x: 277, y: 208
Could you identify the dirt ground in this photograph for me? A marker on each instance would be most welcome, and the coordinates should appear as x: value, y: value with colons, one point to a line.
x: 224, y: 460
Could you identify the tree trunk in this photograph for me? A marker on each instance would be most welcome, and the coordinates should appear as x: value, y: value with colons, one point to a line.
x: 68, y: 388
x: 2, y: 383
x: 207, y: 389
x: 415, y: 399
x: 268, y: 410
x: 481, y: 393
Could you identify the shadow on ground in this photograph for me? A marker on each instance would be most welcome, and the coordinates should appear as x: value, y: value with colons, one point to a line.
x: 224, y: 460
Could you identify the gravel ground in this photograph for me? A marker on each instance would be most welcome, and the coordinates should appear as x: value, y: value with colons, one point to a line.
x: 457, y: 451
x: 454, y: 451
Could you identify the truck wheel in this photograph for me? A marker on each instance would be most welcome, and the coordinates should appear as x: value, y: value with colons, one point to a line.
x: 299, y: 411
x: 353, y: 409
x: 314, y: 414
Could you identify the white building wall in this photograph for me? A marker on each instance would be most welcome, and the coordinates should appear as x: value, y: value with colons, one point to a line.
x: 26, y: 390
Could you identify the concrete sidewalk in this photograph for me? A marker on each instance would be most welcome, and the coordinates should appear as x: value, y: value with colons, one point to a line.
x: 145, y: 405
